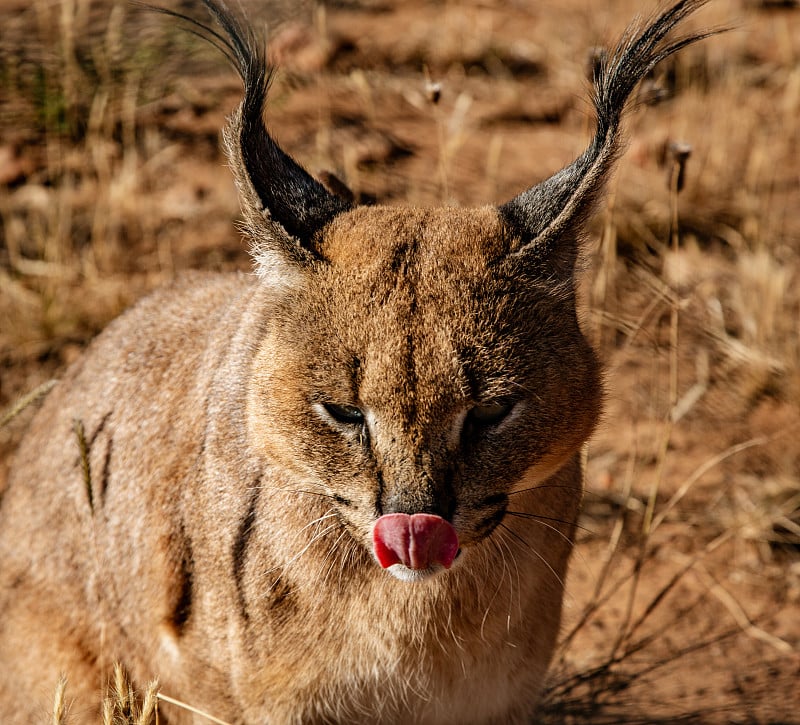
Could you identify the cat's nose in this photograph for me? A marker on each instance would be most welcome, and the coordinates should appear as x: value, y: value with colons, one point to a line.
x: 419, y: 494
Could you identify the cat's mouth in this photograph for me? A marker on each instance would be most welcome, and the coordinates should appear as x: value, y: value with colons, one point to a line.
x: 412, y: 547
x: 403, y: 573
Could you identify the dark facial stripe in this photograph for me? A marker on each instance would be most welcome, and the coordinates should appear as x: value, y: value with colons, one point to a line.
x: 380, y: 486
x: 496, y: 499
x: 490, y: 522
x: 342, y: 500
x: 239, y: 549
x: 183, y: 604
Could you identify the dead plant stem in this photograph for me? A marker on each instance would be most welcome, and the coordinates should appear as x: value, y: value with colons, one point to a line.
x: 25, y: 401
x: 189, y: 708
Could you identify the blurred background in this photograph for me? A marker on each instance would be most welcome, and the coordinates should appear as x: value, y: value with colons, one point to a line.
x: 683, y: 603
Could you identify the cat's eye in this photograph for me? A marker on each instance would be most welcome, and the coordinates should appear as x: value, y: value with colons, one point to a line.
x: 489, y: 414
x: 346, y: 414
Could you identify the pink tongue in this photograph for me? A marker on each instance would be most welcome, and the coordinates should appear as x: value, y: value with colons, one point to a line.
x: 418, y: 541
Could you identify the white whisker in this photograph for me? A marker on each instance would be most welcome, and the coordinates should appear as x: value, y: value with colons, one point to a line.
x: 535, y: 553
x: 542, y: 522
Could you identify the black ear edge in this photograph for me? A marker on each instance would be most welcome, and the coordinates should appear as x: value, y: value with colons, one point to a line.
x: 529, y: 216
x: 289, y: 195
x: 547, y: 214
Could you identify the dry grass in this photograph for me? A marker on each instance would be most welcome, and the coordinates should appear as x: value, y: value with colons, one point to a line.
x: 122, y: 705
x: 690, y: 552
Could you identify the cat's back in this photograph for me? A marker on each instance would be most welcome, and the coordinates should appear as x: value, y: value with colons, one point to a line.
x: 142, y: 382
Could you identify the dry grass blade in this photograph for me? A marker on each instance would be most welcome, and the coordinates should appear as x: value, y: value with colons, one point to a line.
x: 597, y: 599
x: 738, y: 613
x: 83, y: 449
x: 122, y: 705
x: 194, y: 710
x: 149, y: 711
x: 617, y: 671
x: 60, y: 706
x: 25, y: 401
x: 701, y: 471
x: 592, y: 696
x: 658, y: 599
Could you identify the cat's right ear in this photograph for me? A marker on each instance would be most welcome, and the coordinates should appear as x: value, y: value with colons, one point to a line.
x: 284, y: 207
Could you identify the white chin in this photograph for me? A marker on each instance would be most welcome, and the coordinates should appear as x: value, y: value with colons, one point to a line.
x: 403, y: 573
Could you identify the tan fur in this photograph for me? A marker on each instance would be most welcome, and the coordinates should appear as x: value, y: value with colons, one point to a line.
x: 223, y: 542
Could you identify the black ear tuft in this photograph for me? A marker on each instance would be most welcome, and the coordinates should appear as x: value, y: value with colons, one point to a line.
x: 549, y: 217
x: 268, y: 178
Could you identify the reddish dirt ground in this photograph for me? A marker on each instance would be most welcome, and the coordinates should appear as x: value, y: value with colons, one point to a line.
x: 683, y: 601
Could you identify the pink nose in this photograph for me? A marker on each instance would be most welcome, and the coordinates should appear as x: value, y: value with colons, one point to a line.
x: 417, y: 541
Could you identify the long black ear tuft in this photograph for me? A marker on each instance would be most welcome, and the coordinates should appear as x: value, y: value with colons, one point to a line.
x: 549, y: 217
x: 283, y: 205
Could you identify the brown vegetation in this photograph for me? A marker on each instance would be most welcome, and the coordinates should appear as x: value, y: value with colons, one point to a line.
x: 684, y: 593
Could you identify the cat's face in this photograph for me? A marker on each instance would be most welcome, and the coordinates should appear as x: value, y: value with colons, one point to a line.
x: 420, y: 369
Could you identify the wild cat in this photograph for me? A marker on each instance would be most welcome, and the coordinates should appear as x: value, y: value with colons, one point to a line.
x: 343, y: 490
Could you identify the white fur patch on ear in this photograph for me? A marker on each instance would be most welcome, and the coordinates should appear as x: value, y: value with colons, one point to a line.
x: 275, y: 270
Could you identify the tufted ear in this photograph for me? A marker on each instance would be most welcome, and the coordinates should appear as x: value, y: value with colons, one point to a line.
x: 549, y: 218
x: 284, y: 207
